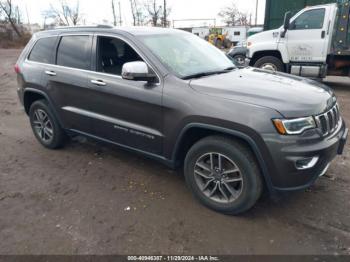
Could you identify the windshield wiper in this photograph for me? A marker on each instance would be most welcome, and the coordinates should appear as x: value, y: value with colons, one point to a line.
x: 202, y: 74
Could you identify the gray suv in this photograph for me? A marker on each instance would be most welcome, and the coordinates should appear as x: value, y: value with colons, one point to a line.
x: 173, y: 97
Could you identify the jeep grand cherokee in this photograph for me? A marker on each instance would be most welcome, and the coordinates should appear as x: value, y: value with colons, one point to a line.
x: 171, y: 96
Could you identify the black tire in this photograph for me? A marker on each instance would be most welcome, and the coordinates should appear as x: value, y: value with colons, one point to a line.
x: 58, y: 137
x: 272, y: 60
x: 227, y: 43
x: 240, y: 154
x: 218, y: 43
x: 239, y: 60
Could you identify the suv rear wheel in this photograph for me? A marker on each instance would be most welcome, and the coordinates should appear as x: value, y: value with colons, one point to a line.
x: 223, y: 175
x: 45, y: 125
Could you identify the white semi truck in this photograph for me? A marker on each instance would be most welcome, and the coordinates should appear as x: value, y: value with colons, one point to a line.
x: 313, y: 43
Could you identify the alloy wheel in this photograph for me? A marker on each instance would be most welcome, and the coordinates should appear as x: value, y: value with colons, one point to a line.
x: 43, y: 125
x: 218, y: 177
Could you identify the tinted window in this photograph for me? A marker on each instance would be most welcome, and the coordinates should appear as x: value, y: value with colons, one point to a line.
x: 113, y: 53
x: 74, y: 51
x: 312, y: 19
x: 43, y: 50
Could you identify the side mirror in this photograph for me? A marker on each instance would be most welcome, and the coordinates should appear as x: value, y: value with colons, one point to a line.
x: 138, y: 71
x: 287, y: 17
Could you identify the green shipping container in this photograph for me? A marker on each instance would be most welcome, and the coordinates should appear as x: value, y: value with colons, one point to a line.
x: 275, y: 10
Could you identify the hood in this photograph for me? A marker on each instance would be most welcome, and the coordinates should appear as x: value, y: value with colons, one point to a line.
x: 290, y: 95
x: 264, y: 36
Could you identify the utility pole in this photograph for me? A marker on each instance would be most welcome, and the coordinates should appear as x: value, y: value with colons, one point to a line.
x: 164, y: 15
x: 27, y: 15
x: 120, y: 15
x: 256, y: 12
x: 114, y: 15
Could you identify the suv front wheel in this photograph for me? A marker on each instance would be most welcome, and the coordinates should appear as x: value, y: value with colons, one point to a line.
x: 45, y: 126
x: 223, y: 174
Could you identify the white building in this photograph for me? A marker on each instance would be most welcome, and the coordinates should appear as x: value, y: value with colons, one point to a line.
x: 235, y: 34
x: 202, y: 32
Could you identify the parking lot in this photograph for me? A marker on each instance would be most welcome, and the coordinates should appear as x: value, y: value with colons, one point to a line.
x: 89, y: 198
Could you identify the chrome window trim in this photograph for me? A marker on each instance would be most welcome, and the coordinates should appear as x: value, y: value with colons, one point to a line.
x: 91, y: 71
x: 57, y: 66
x: 134, y: 47
x: 57, y: 35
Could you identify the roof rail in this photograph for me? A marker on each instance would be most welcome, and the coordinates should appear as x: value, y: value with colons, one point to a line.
x: 83, y: 26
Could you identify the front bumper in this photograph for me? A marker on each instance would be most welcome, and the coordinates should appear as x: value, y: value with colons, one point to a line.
x: 287, y: 150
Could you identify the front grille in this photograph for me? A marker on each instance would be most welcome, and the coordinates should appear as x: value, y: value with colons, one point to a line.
x: 329, y: 120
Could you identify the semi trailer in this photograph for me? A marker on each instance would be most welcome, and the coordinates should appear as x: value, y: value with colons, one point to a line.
x: 315, y: 42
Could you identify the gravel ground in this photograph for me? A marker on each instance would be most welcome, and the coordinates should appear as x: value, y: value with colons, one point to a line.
x: 90, y: 198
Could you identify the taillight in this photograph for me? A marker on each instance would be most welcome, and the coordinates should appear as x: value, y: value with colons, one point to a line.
x: 17, y: 70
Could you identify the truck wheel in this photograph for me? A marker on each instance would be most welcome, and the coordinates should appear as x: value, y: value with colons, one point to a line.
x: 227, y: 43
x: 223, y: 175
x: 218, y: 43
x: 45, y: 126
x: 270, y: 63
x: 239, y: 60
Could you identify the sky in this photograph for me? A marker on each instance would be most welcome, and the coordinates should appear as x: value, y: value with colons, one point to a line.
x: 99, y: 11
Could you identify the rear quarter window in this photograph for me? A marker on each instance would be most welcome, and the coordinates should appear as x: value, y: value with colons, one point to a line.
x: 75, y: 51
x: 43, y: 50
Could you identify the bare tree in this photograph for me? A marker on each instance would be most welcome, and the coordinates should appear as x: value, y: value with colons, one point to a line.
x: 74, y: 14
x: 154, y: 12
x: 133, y: 11
x: 12, y: 14
x: 114, y: 14
x: 65, y: 14
x: 242, y: 19
x: 232, y: 16
x: 166, y: 12
x: 18, y: 15
x: 137, y: 13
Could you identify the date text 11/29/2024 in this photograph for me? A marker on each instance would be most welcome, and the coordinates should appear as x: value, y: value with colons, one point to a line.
x: 173, y: 258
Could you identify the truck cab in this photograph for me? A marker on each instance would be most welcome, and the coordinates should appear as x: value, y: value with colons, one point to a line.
x: 312, y: 43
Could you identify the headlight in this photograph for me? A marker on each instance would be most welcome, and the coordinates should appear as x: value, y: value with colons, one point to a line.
x: 294, y: 126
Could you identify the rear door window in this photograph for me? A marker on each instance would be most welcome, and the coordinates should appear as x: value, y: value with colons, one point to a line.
x: 43, y: 50
x: 75, y: 51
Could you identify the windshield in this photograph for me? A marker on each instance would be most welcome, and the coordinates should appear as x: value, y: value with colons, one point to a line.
x: 186, y: 54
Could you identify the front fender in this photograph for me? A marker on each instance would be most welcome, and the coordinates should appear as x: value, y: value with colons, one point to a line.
x: 256, y: 144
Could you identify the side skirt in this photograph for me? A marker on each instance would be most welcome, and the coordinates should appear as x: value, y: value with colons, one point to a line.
x: 169, y: 163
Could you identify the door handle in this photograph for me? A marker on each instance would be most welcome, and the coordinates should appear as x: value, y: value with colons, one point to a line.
x: 98, y: 82
x: 323, y: 34
x: 50, y: 73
